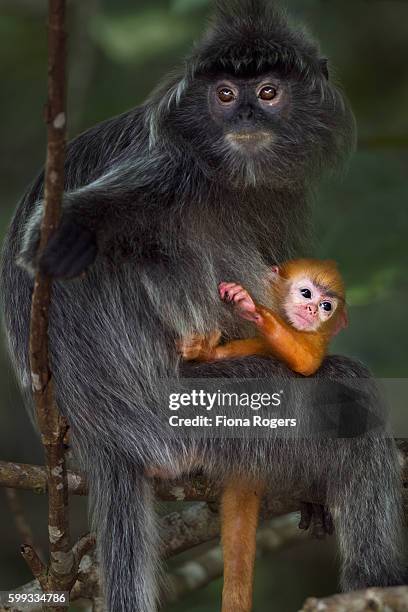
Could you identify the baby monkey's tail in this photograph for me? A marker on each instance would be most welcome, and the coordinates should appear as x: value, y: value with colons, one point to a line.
x: 241, y: 502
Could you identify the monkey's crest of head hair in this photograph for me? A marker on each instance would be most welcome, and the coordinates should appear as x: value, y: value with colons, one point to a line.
x: 251, y: 36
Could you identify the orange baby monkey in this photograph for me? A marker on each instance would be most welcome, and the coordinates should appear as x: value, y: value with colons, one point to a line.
x: 308, y: 298
x: 308, y: 309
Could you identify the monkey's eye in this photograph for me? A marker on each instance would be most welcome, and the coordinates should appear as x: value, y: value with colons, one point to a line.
x: 267, y: 93
x: 326, y: 306
x: 226, y: 95
x: 306, y: 293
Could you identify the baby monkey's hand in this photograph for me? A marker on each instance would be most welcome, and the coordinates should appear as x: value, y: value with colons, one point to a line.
x: 232, y: 293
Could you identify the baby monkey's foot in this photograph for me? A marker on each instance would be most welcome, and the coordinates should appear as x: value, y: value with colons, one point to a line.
x: 199, y: 347
x: 232, y: 293
x: 154, y: 471
x: 191, y: 347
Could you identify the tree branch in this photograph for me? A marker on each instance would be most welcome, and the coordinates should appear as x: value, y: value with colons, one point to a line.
x: 35, y: 564
x: 183, y: 530
x: 198, y: 488
x: 62, y: 571
x: 58, y: 576
x: 34, y: 478
x: 393, y: 598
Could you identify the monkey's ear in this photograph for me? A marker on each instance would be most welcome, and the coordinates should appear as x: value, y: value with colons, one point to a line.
x: 273, y: 274
x: 324, y: 66
x: 342, y: 322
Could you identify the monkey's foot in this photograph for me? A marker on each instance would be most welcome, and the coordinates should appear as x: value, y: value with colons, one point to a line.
x: 156, y: 471
x: 191, y: 347
x: 199, y: 347
x: 318, y: 518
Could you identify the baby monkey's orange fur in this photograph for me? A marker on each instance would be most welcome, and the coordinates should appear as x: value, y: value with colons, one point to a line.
x: 297, y: 330
x: 301, y: 345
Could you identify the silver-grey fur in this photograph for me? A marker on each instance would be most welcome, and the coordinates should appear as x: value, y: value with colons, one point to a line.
x: 173, y: 211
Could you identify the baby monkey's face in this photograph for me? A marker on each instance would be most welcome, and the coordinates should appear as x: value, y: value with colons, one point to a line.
x: 307, y: 305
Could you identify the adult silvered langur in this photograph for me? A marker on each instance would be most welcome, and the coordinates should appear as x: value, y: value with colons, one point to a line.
x: 209, y: 179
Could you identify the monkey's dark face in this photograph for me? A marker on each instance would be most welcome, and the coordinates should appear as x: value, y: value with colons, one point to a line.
x: 272, y: 129
x: 260, y: 130
x: 247, y: 110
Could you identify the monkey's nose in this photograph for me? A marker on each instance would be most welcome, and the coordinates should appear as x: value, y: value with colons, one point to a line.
x: 245, y: 113
x: 311, y: 309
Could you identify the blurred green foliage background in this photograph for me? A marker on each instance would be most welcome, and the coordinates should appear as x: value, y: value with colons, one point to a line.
x: 119, y: 49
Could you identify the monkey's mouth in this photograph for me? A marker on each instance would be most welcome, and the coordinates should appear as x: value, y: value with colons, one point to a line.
x: 249, y: 139
x: 301, y: 322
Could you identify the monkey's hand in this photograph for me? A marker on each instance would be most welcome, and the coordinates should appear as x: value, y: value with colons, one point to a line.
x: 245, y: 307
x: 199, y: 347
x: 70, y: 251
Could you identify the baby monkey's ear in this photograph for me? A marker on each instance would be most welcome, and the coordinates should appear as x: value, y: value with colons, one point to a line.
x: 342, y: 321
x: 273, y: 273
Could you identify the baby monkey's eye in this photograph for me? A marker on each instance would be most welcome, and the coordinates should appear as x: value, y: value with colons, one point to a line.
x: 326, y: 306
x: 226, y: 95
x: 268, y: 92
x: 306, y: 293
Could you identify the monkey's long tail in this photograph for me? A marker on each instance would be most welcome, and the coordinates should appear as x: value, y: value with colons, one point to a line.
x: 121, y: 502
x: 368, y: 515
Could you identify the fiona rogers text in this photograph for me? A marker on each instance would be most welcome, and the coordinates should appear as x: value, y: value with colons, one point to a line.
x: 226, y: 422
